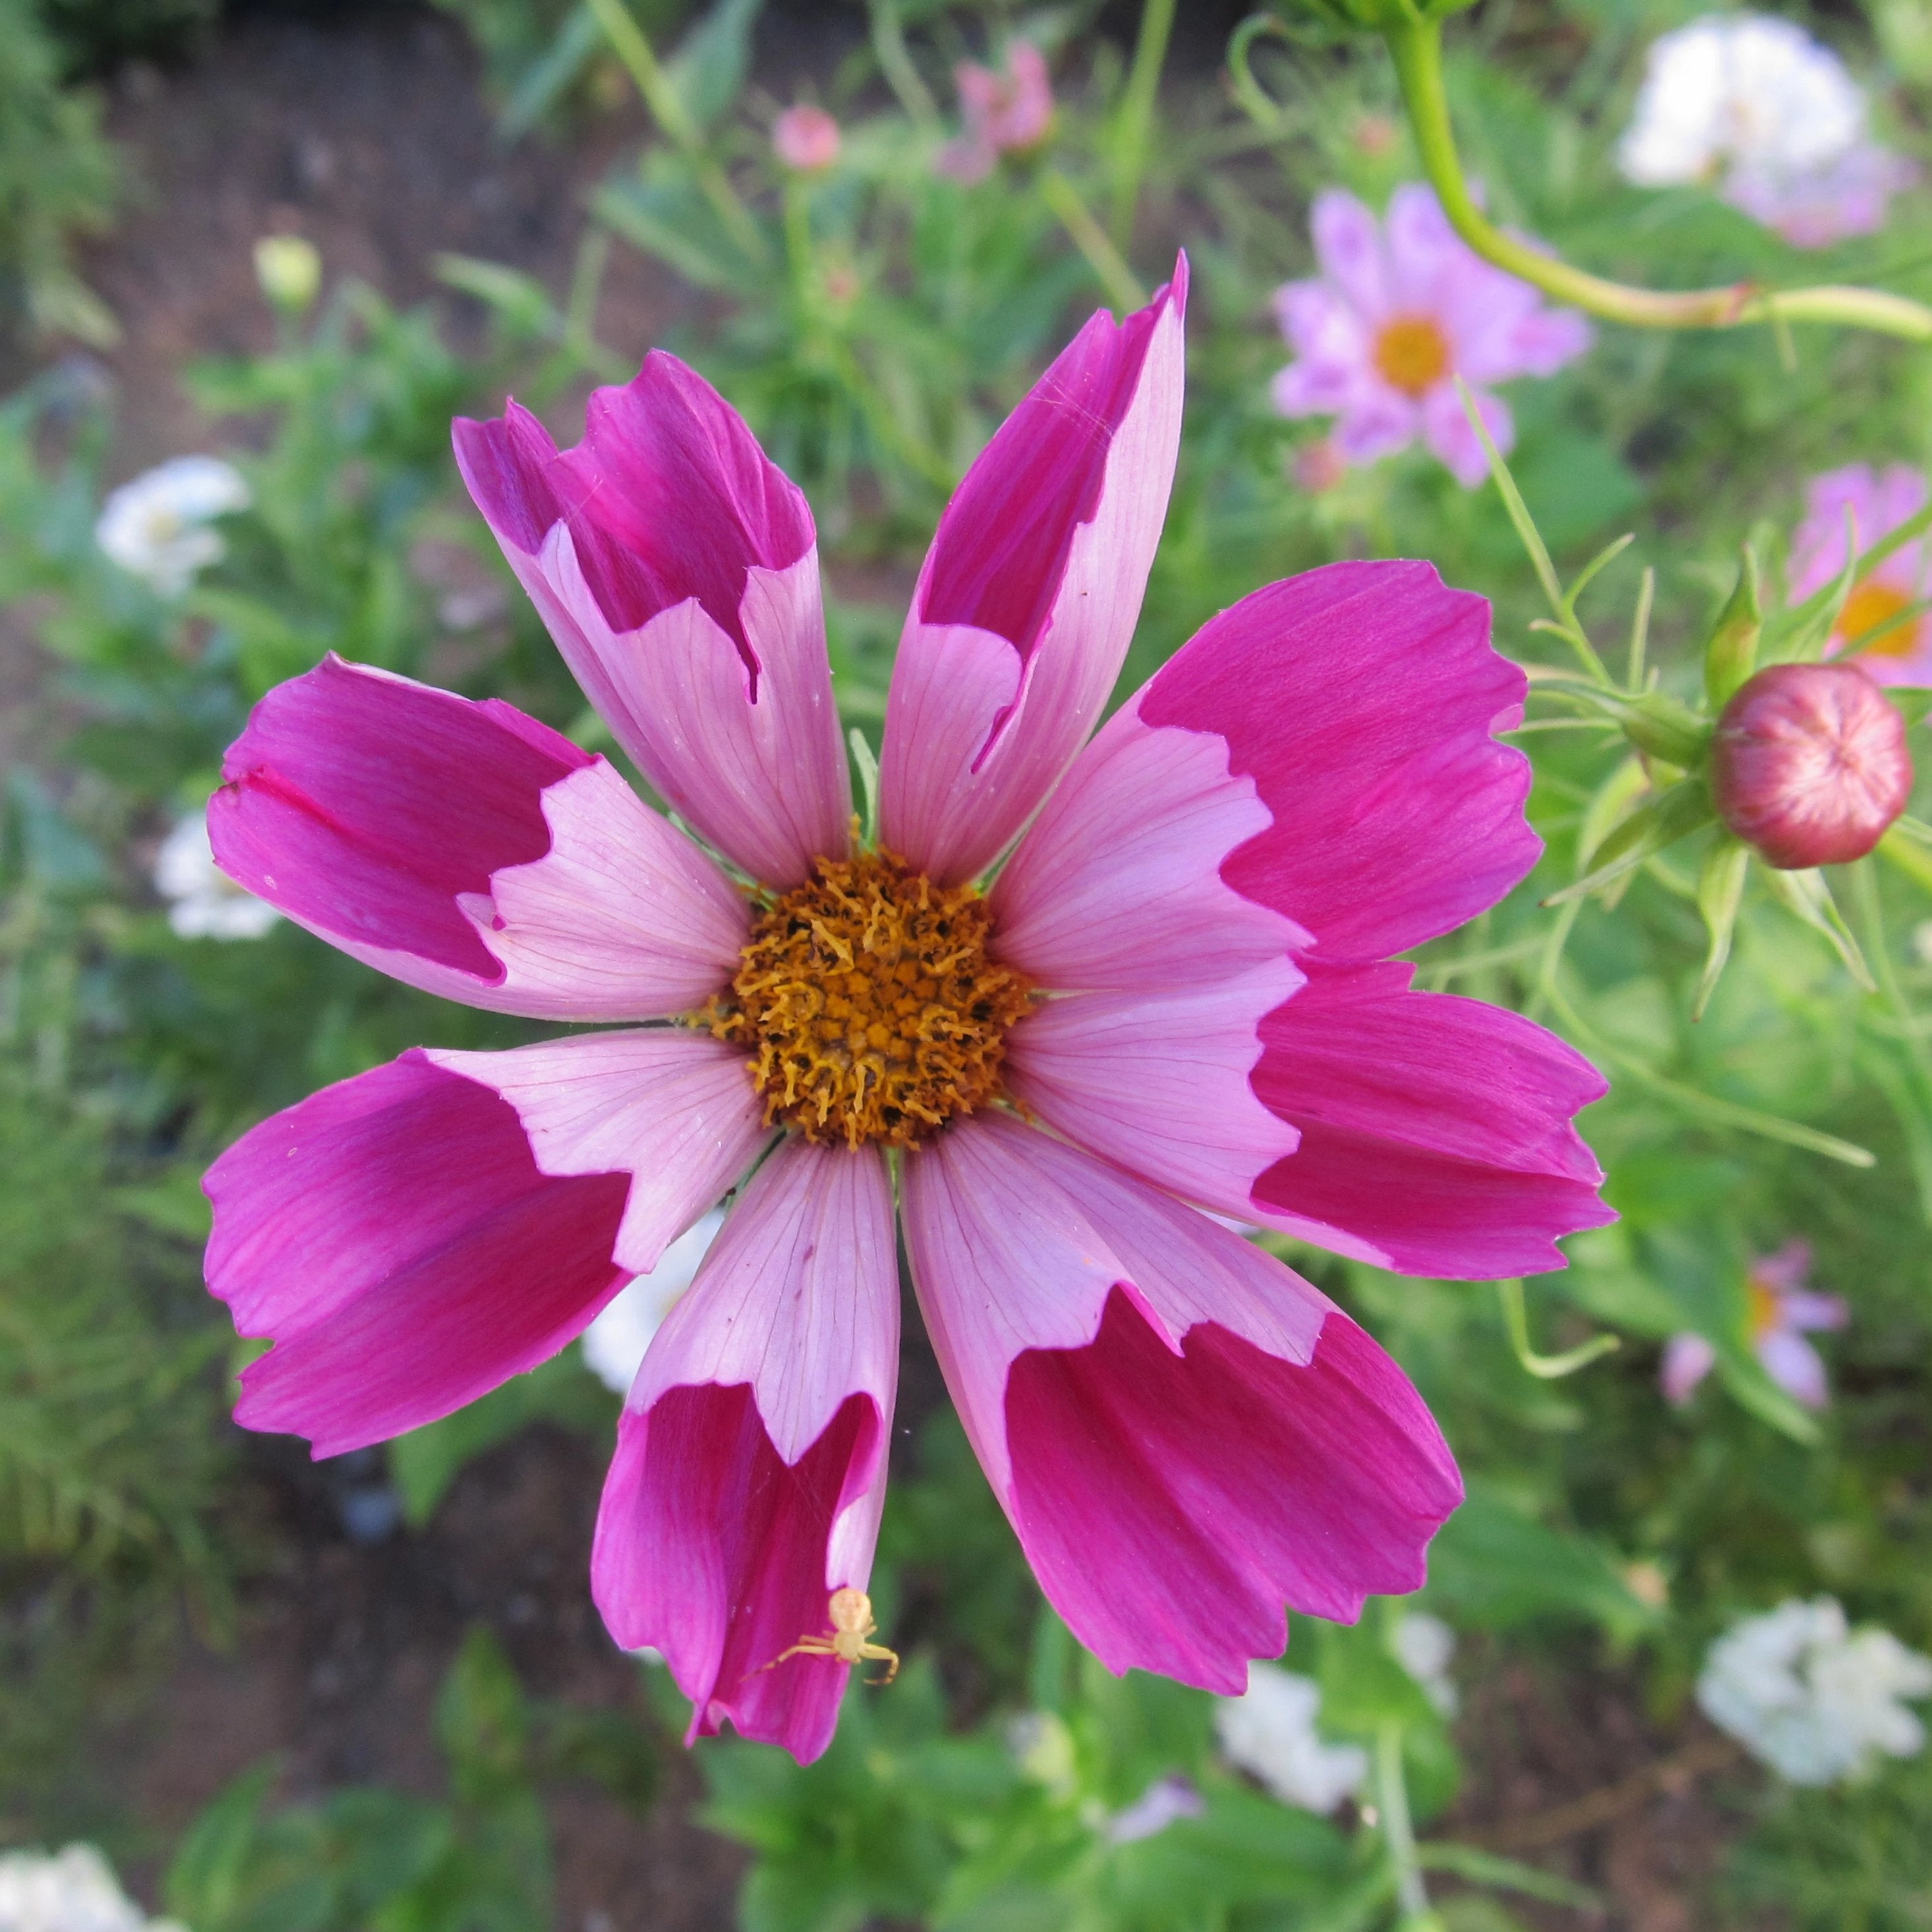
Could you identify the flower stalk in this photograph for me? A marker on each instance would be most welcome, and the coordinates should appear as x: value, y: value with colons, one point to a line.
x: 1415, y: 44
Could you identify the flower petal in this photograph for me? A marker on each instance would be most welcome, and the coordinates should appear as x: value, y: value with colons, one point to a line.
x: 469, y: 850
x: 751, y: 1462
x: 1183, y: 1432
x: 1117, y: 885
x: 1349, y: 249
x: 1447, y: 429
x: 395, y: 1237
x: 675, y: 1111
x: 1160, y: 1082
x: 1436, y: 1131
x: 1360, y: 698
x: 1795, y: 1367
x: 1688, y: 1358
x: 1028, y: 597
x: 677, y: 570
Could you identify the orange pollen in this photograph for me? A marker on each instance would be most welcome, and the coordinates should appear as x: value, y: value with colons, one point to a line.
x: 1871, y: 604
x: 1766, y: 1308
x: 871, y: 1007
x: 1412, y: 354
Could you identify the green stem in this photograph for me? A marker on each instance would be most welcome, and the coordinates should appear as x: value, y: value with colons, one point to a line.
x: 1545, y: 1368
x: 1091, y: 239
x: 1398, y: 1829
x: 629, y: 43
x: 1416, y: 45
x: 1919, y: 1062
x: 889, y: 49
x: 1131, y: 130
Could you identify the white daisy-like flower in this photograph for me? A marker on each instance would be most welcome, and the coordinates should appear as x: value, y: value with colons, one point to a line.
x: 157, y: 527
x: 614, y: 1343
x: 203, y: 902
x: 1423, y: 1646
x: 1269, y: 1731
x: 1814, y: 1700
x: 72, y: 1891
x: 1757, y: 109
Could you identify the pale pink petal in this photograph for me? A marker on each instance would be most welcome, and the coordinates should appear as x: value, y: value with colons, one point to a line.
x: 1794, y: 1365
x: 1688, y: 1359
x: 1785, y: 1268
x: 1377, y: 423
x: 396, y: 1239
x: 1432, y: 268
x: 1436, y: 1132
x: 677, y: 569
x: 1185, y: 1435
x: 466, y: 849
x: 1360, y: 698
x: 1028, y: 597
x: 1117, y: 885
x: 1800, y: 1310
x: 751, y: 1462
x: 1160, y: 1082
x: 675, y: 1111
x: 1447, y: 429
x: 1348, y: 251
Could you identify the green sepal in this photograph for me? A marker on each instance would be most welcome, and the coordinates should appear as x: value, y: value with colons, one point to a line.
x: 1720, y: 891
x: 1806, y: 894
x: 1684, y: 808
x: 1731, y: 654
x: 1667, y: 728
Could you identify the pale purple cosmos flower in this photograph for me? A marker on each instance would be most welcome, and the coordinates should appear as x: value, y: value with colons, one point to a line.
x: 1782, y: 1311
x: 1006, y: 111
x: 1879, y: 501
x: 1180, y: 993
x: 1400, y: 309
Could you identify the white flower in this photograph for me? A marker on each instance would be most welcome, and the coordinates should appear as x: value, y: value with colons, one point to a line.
x: 614, y: 1344
x: 1424, y: 1645
x: 204, y: 902
x: 1756, y: 108
x: 1740, y: 89
x: 72, y: 1891
x: 1814, y: 1701
x: 156, y: 526
x: 1269, y: 1731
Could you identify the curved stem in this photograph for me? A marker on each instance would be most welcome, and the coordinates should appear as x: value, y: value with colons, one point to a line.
x: 1416, y: 45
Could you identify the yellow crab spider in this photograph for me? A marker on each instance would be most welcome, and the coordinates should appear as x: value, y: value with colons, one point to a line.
x: 851, y: 1611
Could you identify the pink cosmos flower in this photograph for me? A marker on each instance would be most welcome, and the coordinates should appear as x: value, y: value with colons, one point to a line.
x: 1849, y: 196
x: 806, y: 139
x: 1398, y: 311
x: 1781, y: 1312
x: 1180, y: 993
x: 1005, y: 113
x: 1879, y: 501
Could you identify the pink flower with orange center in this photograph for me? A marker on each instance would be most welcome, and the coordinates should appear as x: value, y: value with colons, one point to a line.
x: 1087, y: 985
x: 1780, y: 1311
x: 1892, y: 642
x: 1399, y: 310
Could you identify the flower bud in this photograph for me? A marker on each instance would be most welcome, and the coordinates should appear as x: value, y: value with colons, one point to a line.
x: 289, y: 270
x: 806, y: 139
x: 1809, y: 764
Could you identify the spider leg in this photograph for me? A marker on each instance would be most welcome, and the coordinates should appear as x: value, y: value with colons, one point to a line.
x: 806, y: 1646
x: 878, y: 1653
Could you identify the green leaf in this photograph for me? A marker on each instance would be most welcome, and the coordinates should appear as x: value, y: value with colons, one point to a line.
x: 1730, y: 654
x: 1720, y: 891
x: 709, y: 68
x: 1670, y: 816
x: 1807, y: 894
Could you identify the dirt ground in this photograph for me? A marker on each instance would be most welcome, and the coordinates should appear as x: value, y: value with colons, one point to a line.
x: 365, y: 130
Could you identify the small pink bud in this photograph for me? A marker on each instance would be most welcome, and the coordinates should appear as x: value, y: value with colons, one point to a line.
x: 1319, y: 467
x: 806, y: 139
x: 1810, y: 765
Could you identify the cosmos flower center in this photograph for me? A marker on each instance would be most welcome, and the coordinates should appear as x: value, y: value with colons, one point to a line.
x: 1412, y: 354
x: 1871, y: 604
x: 1766, y: 1307
x: 871, y: 1008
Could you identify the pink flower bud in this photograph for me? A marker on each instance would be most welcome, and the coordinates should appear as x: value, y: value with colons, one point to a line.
x: 1810, y: 764
x: 806, y: 139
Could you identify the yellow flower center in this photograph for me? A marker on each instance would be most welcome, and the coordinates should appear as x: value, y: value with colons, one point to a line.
x: 1411, y: 353
x: 1765, y: 1306
x: 870, y: 1006
x: 1871, y: 604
